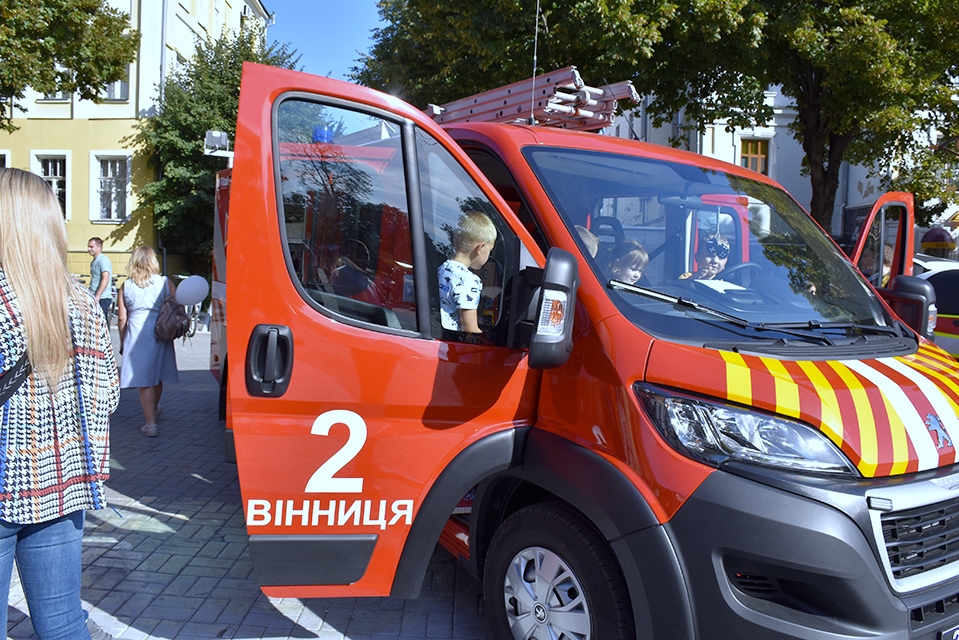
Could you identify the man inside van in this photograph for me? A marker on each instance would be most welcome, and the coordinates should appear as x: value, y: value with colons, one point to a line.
x: 711, y: 257
x: 101, y: 270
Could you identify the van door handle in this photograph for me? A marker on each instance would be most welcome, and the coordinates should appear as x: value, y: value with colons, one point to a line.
x: 269, y: 366
x: 269, y: 360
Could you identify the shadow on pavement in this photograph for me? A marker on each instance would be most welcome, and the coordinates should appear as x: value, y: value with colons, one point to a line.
x: 169, y: 558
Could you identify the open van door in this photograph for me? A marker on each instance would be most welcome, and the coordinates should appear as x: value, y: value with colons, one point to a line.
x: 886, y: 259
x: 872, y: 236
x: 359, y: 420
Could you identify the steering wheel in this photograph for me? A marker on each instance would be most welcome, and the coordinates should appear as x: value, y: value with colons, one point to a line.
x: 741, y: 269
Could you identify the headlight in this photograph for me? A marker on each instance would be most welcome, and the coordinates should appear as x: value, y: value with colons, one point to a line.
x: 714, y: 433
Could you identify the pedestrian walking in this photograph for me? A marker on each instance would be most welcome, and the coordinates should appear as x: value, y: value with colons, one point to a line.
x: 55, y: 454
x: 147, y: 362
x: 101, y: 273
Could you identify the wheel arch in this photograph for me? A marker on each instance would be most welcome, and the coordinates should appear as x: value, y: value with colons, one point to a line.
x: 555, y: 468
x: 514, y: 468
x: 482, y: 459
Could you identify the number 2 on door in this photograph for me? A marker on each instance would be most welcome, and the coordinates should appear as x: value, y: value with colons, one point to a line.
x: 322, y: 480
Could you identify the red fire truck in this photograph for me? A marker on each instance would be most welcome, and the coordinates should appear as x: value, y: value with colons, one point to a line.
x: 766, y: 453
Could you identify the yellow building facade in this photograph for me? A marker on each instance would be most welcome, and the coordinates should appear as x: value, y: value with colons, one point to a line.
x: 85, y: 151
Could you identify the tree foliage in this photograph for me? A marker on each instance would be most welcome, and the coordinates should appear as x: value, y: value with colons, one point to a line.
x: 200, y: 95
x: 435, y: 52
x: 869, y: 79
x: 75, y: 46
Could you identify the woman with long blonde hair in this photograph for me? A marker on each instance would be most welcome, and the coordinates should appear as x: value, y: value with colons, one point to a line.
x: 147, y: 362
x: 55, y: 427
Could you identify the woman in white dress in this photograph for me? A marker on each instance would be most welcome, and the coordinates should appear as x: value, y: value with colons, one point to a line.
x: 147, y: 362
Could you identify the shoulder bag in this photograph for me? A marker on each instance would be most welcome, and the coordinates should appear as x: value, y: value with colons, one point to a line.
x: 12, y: 379
x: 172, y: 321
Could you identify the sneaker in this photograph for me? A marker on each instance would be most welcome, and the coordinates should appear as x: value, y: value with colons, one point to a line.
x: 97, y: 632
x: 159, y: 412
x: 149, y: 430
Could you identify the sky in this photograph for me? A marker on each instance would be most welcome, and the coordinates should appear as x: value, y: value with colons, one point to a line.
x: 329, y: 35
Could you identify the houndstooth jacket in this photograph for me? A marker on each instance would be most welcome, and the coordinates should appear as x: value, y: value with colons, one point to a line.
x: 55, y: 448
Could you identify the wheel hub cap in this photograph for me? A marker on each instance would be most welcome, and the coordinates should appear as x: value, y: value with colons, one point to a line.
x: 540, y: 612
x: 544, y: 599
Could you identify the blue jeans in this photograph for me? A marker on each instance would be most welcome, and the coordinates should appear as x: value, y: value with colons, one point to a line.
x: 48, y: 559
x: 105, y: 305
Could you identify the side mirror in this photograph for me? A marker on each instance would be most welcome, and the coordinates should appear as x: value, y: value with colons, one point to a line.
x: 543, y: 301
x: 914, y: 301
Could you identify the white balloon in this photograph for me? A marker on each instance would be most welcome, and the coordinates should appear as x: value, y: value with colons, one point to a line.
x: 192, y: 290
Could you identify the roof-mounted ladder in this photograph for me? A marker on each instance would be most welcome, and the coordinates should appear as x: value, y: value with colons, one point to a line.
x: 558, y: 99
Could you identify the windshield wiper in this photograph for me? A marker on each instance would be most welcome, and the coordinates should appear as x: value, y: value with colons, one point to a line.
x: 785, y: 328
x: 813, y: 324
x: 617, y: 285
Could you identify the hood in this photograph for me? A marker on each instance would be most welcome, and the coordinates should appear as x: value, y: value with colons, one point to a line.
x: 890, y: 416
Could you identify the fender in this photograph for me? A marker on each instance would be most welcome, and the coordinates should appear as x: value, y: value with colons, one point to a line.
x: 585, y: 481
x: 618, y: 510
x: 480, y: 460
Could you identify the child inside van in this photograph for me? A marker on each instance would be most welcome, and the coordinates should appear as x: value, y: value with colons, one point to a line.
x: 590, y: 239
x: 711, y: 256
x: 460, y: 288
x: 627, y: 261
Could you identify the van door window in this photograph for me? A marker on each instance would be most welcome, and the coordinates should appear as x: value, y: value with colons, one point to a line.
x: 500, y: 177
x: 471, y: 251
x: 871, y: 261
x: 344, y: 209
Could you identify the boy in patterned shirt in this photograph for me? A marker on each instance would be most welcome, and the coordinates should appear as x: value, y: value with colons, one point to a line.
x: 460, y: 288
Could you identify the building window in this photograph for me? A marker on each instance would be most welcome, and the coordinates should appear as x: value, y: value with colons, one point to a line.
x: 755, y: 155
x: 54, y: 172
x: 58, y: 96
x: 3, y: 161
x: 112, y: 188
x: 119, y: 91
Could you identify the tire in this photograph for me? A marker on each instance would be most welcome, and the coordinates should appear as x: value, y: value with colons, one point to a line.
x: 550, y: 576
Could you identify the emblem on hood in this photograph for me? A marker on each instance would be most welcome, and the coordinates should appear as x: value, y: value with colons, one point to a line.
x: 934, y: 424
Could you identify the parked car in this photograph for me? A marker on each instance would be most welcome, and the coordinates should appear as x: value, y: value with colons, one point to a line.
x: 943, y: 275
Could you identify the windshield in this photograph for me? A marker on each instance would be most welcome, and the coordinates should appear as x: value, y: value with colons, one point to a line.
x: 707, y: 255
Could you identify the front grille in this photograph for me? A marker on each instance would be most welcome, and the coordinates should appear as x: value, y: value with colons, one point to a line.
x: 921, y: 539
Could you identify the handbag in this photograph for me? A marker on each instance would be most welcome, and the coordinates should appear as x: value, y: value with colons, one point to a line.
x: 172, y: 321
x: 12, y: 379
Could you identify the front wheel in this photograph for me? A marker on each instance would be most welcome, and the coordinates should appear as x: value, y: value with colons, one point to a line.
x: 550, y: 576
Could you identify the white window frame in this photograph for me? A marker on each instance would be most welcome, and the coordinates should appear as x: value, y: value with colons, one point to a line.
x: 94, y: 208
x: 36, y: 166
x: 5, y: 153
x: 60, y: 96
x: 118, y: 89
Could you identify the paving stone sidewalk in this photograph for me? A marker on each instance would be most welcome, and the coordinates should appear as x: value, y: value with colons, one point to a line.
x: 169, y: 559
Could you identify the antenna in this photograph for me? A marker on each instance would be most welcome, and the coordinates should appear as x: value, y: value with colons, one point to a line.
x: 532, y: 89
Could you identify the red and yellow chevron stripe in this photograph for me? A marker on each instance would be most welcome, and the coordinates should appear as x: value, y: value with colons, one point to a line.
x: 890, y: 415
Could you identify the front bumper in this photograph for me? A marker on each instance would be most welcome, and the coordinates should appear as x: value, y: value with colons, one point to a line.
x: 798, y: 560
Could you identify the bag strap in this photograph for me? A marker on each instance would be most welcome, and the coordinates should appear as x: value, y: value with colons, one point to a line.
x: 12, y: 379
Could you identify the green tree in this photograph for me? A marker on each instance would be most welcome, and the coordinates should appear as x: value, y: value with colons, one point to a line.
x: 201, y: 95
x: 76, y: 46
x: 868, y: 79
x: 435, y: 52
